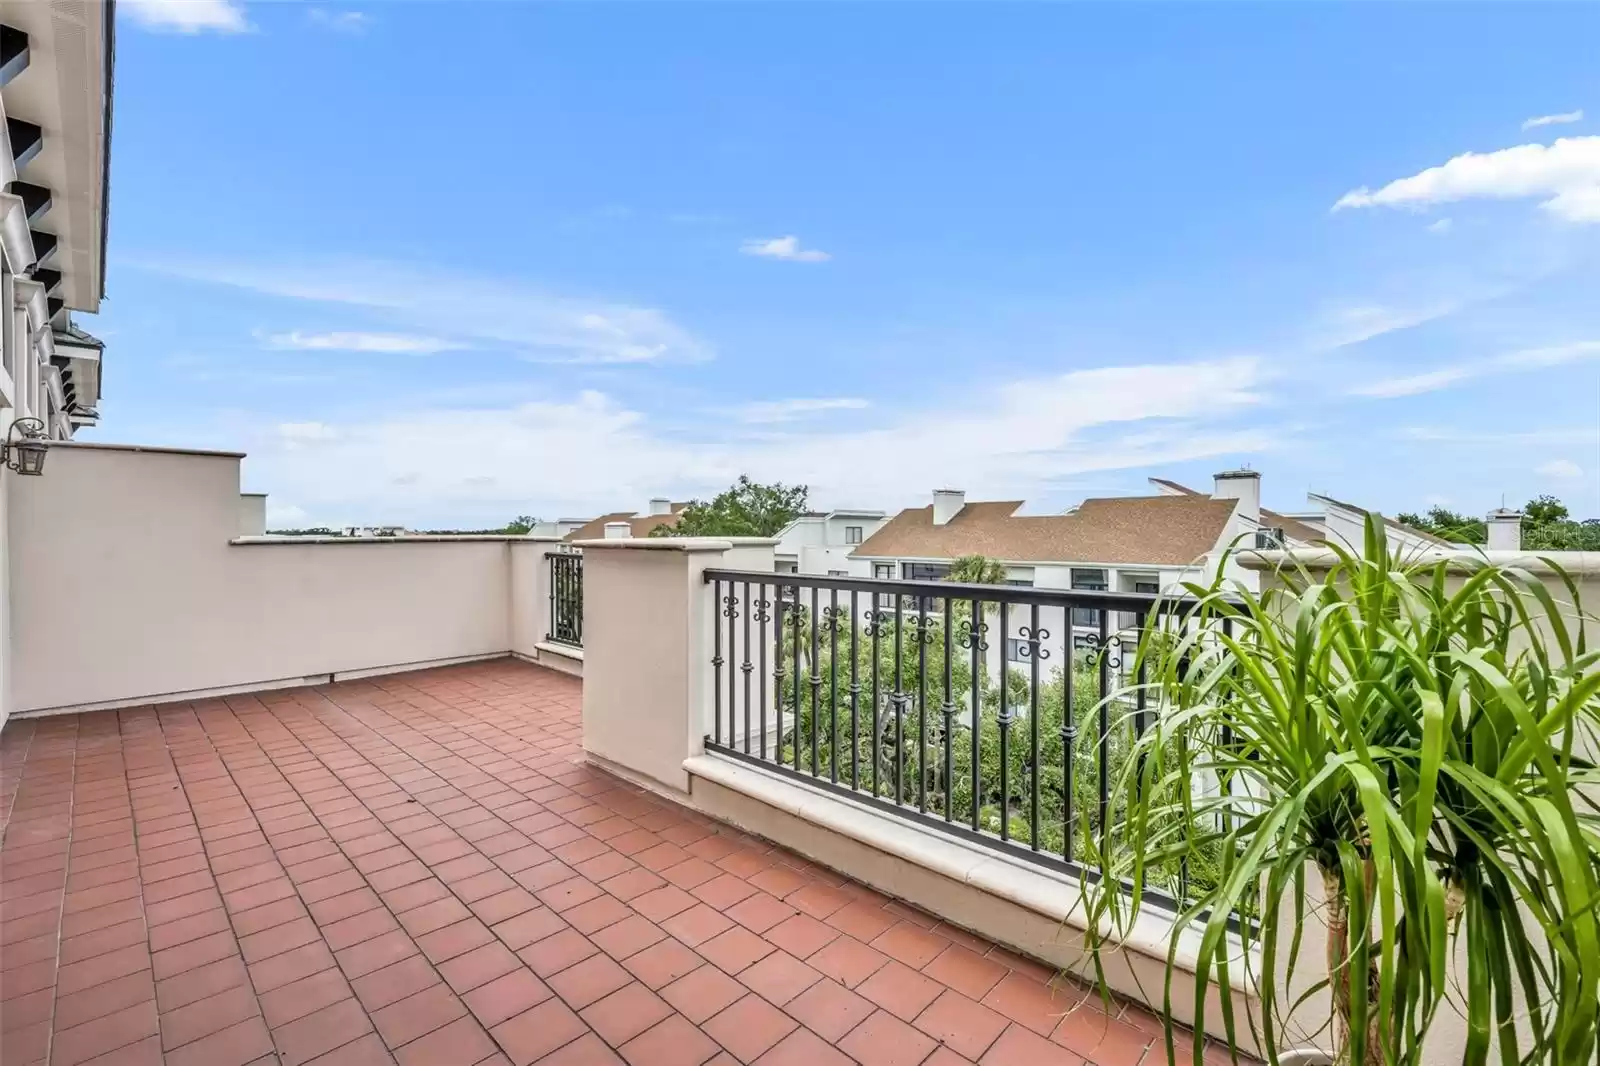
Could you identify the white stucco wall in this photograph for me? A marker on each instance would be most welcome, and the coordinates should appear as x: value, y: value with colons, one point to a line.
x: 126, y: 567
x: 252, y: 514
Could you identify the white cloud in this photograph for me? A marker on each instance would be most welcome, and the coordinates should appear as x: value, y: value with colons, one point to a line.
x: 1562, y: 119
x: 1413, y: 384
x: 469, y: 311
x: 284, y: 515
x: 1342, y: 327
x: 1000, y: 441
x: 1567, y: 172
x: 300, y: 434
x: 769, y: 411
x: 188, y: 16
x: 1442, y: 225
x: 1560, y: 470
x: 352, y: 22
x: 1508, y: 363
x: 784, y: 248
x: 1589, y: 435
x: 342, y: 341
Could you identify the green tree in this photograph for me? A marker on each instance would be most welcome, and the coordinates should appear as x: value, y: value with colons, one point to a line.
x: 977, y: 570
x: 747, y: 509
x: 1544, y: 509
x: 1443, y: 522
x: 521, y: 524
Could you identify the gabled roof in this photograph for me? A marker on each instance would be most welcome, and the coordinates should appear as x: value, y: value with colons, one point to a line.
x: 1421, y: 534
x: 1156, y: 530
x: 641, y: 525
x: 1293, y: 528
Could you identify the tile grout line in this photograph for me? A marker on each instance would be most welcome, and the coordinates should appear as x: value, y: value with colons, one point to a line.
x: 66, y: 874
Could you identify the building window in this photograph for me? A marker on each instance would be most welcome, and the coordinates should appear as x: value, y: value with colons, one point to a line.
x: 1087, y: 581
x: 1269, y: 539
x: 883, y: 571
x: 838, y: 573
x: 1150, y: 587
x: 787, y: 568
x: 852, y: 534
x: 924, y: 571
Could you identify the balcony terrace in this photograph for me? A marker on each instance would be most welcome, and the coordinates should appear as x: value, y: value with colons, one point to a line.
x: 422, y: 868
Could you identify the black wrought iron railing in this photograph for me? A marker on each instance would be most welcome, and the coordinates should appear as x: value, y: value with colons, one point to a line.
x: 980, y: 710
x: 566, y: 598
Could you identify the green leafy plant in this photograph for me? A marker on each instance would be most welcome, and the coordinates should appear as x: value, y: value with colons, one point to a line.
x: 1421, y: 735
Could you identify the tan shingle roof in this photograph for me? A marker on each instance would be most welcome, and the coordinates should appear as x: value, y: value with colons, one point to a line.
x: 1167, y: 530
x: 595, y: 528
x: 1293, y: 528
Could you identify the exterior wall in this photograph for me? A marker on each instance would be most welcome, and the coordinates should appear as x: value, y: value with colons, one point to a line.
x: 647, y: 649
x: 816, y: 544
x: 125, y: 565
x: 252, y: 514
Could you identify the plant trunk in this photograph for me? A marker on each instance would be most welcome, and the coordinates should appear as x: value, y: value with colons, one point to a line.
x: 1339, y: 976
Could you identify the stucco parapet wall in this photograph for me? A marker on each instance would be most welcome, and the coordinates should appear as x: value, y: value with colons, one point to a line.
x: 678, y: 544
x: 93, y: 446
x: 1573, y: 563
x: 423, y: 538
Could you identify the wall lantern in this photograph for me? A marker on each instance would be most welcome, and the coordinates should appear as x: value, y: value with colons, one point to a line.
x: 24, y: 447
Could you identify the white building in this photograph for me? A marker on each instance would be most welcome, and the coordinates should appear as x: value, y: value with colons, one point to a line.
x: 55, y: 85
x: 1140, y: 544
x: 822, y: 542
x: 55, y: 98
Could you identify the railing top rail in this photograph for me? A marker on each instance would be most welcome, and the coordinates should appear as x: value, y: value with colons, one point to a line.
x: 1134, y: 602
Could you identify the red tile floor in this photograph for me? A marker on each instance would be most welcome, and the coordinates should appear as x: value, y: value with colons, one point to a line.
x: 420, y: 869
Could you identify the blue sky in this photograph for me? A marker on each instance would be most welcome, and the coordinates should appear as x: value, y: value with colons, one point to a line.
x: 439, y: 264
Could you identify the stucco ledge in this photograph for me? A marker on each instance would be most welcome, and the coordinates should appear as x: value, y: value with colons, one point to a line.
x: 1052, y: 894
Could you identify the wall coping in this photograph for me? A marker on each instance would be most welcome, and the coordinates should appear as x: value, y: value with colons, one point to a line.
x: 1053, y: 894
x: 420, y: 538
x: 676, y: 544
x: 1459, y: 560
x: 94, y: 445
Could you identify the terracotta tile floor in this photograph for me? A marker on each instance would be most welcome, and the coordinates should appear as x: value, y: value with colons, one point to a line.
x: 420, y: 869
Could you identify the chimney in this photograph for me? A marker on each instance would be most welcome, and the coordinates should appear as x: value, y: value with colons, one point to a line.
x: 947, y: 503
x: 1505, y: 530
x: 660, y: 505
x: 618, y: 531
x: 1241, y: 485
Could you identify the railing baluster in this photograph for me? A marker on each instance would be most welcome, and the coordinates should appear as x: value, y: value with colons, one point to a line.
x: 765, y: 607
x: 716, y: 662
x: 1005, y: 728
x: 876, y: 627
x: 922, y: 703
x: 732, y: 613
x: 899, y: 705
x: 747, y: 666
x: 1104, y: 755
x: 1036, y: 651
x: 833, y: 686
x: 1069, y: 733
x: 855, y: 697
x: 799, y: 680
x: 816, y: 680
x: 976, y: 643
x: 948, y: 709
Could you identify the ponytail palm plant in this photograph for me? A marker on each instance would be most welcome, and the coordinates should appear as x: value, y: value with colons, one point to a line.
x: 1421, y: 733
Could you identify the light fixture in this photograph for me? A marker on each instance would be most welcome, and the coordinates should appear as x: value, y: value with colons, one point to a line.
x: 24, y: 447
